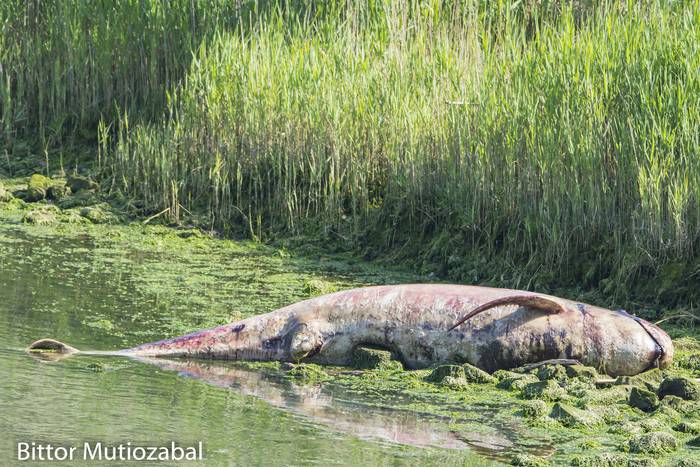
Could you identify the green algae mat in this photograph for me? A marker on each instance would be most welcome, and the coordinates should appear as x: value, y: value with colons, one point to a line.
x: 97, y: 281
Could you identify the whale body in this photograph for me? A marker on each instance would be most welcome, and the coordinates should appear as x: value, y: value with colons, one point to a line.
x: 424, y: 325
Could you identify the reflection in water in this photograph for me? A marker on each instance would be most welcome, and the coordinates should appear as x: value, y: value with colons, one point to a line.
x: 313, y: 402
x: 318, y: 403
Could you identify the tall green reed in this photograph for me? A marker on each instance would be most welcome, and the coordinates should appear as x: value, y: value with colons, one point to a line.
x: 66, y: 65
x: 505, y: 140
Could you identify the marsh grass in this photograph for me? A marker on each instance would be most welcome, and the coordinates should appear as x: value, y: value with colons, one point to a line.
x: 66, y: 65
x: 526, y: 143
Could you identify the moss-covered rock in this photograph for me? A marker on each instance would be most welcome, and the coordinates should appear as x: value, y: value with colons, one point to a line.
x: 443, y: 371
x: 94, y: 215
x: 684, y: 388
x: 36, y: 188
x: 316, y: 287
x: 515, y: 381
x: 687, y: 463
x: 455, y: 383
x: 581, y: 371
x: 642, y: 462
x: 548, y: 390
x: 501, y: 375
x: 655, y: 443
x: 32, y: 195
x: 642, y: 399
x: 608, y: 396
x: 555, y: 372
x: 5, y: 196
x: 527, y: 460
x: 82, y: 199
x: 476, y: 375
x: 572, y: 417
x: 590, y: 444
x: 668, y: 416
x: 40, y: 217
x: 78, y: 183
x: 308, y: 372
x: 579, y: 388
x: 99, y: 214
x: 686, y: 427
x: 690, y: 362
x: 367, y: 358
x: 534, y: 409
x: 675, y: 403
x: 612, y: 460
x: 96, y: 367
x: 39, y: 181
x: 649, y: 380
x: 609, y: 413
x: 626, y: 429
x: 652, y: 424
x: 57, y: 192
x: 72, y: 216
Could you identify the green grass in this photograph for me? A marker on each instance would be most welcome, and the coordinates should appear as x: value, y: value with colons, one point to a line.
x: 524, y: 143
x: 66, y: 65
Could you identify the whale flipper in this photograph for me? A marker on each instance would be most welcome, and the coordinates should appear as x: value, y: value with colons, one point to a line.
x: 531, y: 301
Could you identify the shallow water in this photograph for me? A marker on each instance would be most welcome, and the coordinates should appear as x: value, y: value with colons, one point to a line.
x: 105, y: 288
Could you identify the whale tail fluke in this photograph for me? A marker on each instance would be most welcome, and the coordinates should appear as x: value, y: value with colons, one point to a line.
x: 51, y: 350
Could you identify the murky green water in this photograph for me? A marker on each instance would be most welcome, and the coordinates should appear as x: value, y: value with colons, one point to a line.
x: 112, y: 287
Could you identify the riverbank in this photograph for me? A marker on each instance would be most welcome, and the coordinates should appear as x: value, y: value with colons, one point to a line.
x: 91, y: 203
x: 192, y: 279
x: 534, y: 145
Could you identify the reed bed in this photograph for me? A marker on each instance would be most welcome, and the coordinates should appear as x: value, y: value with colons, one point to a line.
x: 65, y: 65
x: 527, y: 143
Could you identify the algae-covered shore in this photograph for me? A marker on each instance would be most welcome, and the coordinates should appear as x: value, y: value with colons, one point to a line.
x: 549, y: 415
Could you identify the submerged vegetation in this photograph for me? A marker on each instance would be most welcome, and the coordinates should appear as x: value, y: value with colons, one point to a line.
x: 533, y: 144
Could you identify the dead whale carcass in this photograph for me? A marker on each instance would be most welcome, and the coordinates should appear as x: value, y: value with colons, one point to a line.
x: 426, y: 324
